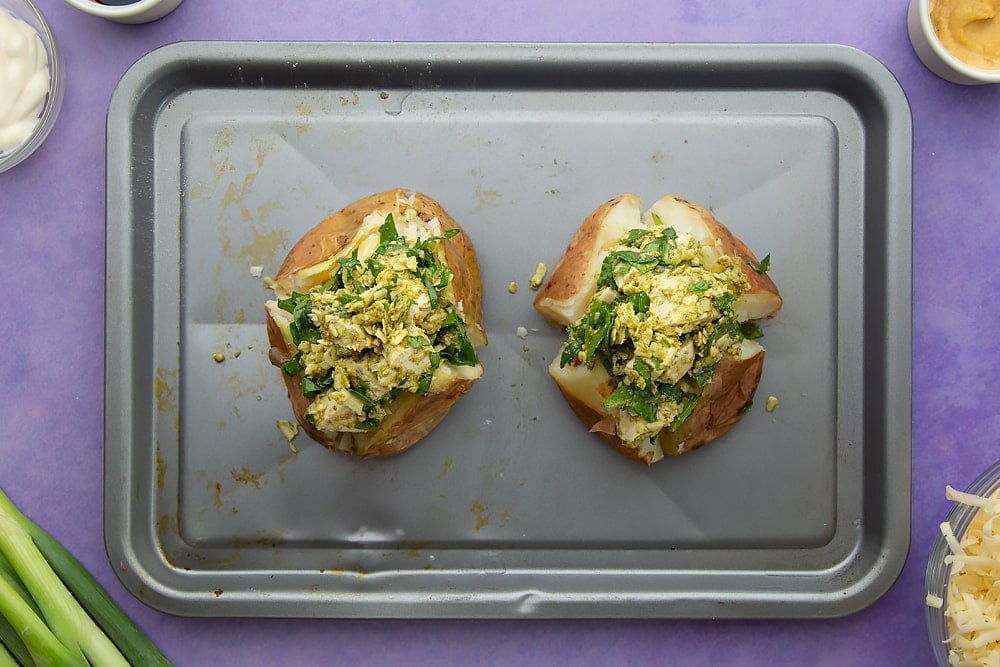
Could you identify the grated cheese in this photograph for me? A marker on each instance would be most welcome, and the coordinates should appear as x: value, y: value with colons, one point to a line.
x: 972, y: 605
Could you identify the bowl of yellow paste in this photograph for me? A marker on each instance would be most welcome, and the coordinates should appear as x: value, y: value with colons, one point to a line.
x: 959, y: 40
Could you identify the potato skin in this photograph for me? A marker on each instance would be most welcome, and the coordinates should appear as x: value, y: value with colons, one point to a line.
x: 763, y: 291
x: 411, y: 416
x: 734, y: 247
x: 570, y: 277
x: 722, y: 404
x: 734, y: 383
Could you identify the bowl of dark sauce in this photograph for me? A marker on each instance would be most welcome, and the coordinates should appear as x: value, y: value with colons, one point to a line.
x: 127, y: 11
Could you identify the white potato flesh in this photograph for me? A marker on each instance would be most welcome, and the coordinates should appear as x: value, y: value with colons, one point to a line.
x: 622, y: 217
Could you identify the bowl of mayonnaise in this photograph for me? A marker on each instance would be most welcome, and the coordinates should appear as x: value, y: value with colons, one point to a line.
x: 959, y: 40
x: 31, y: 85
x: 963, y: 576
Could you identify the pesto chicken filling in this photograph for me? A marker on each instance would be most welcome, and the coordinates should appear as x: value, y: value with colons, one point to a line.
x: 659, y: 322
x: 381, y: 324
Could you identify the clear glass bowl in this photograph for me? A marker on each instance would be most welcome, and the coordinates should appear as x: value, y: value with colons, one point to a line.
x: 27, y: 12
x: 938, y: 572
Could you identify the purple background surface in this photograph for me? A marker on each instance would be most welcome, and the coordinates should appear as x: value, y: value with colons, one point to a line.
x: 52, y: 270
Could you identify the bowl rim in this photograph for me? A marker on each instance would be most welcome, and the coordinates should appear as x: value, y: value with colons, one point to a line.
x: 937, y: 574
x: 133, y: 10
x: 53, y: 101
x: 946, y: 56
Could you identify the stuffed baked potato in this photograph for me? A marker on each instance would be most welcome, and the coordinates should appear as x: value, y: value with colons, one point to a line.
x: 377, y: 315
x: 660, y: 356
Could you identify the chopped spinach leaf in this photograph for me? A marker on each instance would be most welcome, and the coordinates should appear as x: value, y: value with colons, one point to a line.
x: 571, y: 350
x: 369, y: 424
x: 642, y: 369
x: 704, y: 375
x: 764, y: 266
x: 424, y: 385
x: 387, y: 232
x: 700, y: 286
x: 640, y: 302
x: 294, y: 365
x: 432, y: 293
x: 312, y: 387
x: 640, y: 402
x: 417, y: 341
x: 301, y: 327
x: 671, y: 392
x: 598, y: 324
x: 634, y: 236
x: 687, y: 408
x: 607, y: 276
x: 346, y: 267
x: 366, y: 401
x: 724, y: 302
x: 751, y: 330
x: 462, y: 354
x: 295, y: 302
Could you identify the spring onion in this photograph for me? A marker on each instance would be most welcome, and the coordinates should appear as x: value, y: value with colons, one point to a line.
x: 55, y: 607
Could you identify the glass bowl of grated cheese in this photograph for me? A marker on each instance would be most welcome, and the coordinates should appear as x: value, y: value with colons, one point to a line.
x: 31, y: 83
x: 963, y: 576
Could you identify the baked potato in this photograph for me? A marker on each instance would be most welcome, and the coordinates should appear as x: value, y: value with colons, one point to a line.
x: 375, y: 324
x: 659, y: 308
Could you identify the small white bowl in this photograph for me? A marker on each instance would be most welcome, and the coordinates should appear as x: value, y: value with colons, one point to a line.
x: 935, y: 56
x: 26, y: 11
x: 140, y: 11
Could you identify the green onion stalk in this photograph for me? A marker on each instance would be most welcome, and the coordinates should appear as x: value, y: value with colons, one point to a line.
x: 53, y: 611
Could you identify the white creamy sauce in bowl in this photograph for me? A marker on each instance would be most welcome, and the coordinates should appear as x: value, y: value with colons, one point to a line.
x: 24, y: 81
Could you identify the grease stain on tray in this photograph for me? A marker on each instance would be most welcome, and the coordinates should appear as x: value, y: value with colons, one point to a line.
x: 221, y: 165
x: 167, y: 524
x: 219, y: 160
x: 215, y: 489
x: 448, y: 462
x: 163, y: 390
x: 273, y: 539
x: 161, y: 467
x: 304, y: 112
x: 222, y: 302
x: 235, y: 194
x: 244, y: 476
x: 238, y: 387
x: 164, y: 387
x: 263, y: 245
x: 483, y: 516
x: 196, y: 191
x: 487, y: 198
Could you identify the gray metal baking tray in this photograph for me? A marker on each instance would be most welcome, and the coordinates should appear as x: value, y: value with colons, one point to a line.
x: 220, y: 155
